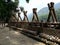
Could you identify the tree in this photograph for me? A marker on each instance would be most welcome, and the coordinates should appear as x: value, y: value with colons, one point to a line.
x: 27, y: 1
x: 6, y: 8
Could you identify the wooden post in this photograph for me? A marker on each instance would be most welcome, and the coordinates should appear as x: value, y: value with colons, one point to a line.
x: 35, y: 16
x: 49, y: 6
x: 52, y: 6
x: 25, y: 25
x: 19, y: 20
x: 19, y: 17
x: 51, y: 12
x: 25, y: 16
x: 40, y: 30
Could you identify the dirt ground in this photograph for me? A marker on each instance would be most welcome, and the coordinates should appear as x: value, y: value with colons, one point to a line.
x: 11, y: 37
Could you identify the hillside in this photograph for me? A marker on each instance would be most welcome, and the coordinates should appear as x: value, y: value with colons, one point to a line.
x: 43, y: 13
x: 45, y: 9
x: 45, y: 16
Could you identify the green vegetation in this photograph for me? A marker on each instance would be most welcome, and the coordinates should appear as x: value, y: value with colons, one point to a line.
x: 6, y: 9
x: 45, y: 16
x: 58, y: 14
x: 27, y: 1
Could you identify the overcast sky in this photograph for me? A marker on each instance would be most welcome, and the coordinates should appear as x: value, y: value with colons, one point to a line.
x: 35, y: 4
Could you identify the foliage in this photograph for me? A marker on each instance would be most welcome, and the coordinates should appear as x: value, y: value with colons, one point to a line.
x: 6, y: 9
x: 27, y: 1
x: 45, y: 16
x: 22, y: 9
x: 58, y: 14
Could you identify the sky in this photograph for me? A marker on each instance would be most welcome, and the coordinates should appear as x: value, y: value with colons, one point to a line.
x: 39, y: 4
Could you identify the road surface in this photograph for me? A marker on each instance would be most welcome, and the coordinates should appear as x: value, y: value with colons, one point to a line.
x: 11, y: 37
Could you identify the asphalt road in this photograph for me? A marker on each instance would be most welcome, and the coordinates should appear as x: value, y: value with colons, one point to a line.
x: 11, y: 37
